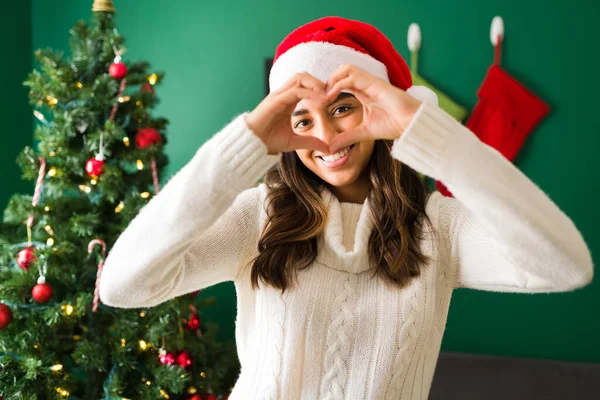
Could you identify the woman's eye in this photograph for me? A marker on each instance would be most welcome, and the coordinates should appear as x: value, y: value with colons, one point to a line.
x: 297, y: 125
x: 342, y: 107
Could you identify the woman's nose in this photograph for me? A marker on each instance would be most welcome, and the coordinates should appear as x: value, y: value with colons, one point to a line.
x: 325, y: 131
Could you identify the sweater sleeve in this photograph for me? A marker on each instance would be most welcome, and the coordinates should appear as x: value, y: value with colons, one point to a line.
x: 501, y: 231
x: 198, y: 230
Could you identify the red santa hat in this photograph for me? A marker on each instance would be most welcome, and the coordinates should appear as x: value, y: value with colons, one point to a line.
x: 321, y: 46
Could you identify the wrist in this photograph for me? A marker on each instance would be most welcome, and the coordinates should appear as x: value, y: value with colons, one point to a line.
x: 253, y: 127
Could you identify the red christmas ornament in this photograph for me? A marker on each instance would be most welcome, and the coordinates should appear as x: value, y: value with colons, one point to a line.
x: 5, y: 316
x: 147, y: 137
x: 42, y: 292
x: 193, y: 323
x: 167, y: 359
x: 195, y: 397
x: 211, y: 396
x: 117, y: 70
x: 95, y: 166
x: 148, y: 87
x: 26, y: 257
x: 184, y: 359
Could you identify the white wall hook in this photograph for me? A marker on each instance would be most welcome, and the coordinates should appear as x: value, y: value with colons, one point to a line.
x: 496, y: 29
x: 414, y: 37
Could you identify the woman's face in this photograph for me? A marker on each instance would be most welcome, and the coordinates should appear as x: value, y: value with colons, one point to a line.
x: 325, y: 121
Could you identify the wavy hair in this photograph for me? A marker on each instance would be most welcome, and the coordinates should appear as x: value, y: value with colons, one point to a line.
x: 296, y: 215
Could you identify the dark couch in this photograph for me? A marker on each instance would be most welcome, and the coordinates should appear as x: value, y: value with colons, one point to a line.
x: 461, y: 376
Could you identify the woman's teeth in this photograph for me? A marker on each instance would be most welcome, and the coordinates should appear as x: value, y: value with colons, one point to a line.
x: 337, y: 155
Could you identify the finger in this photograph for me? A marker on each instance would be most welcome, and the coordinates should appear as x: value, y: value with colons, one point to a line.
x: 292, y: 96
x: 311, y: 82
x: 308, y: 142
x: 305, y: 80
x: 341, y: 72
x: 347, y: 138
x: 349, y: 84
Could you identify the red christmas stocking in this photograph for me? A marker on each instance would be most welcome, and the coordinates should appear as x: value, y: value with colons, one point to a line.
x: 504, y: 115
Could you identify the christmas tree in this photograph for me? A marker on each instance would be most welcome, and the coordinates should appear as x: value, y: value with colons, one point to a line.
x: 98, y: 158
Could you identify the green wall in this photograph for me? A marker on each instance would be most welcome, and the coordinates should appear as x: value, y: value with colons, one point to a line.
x: 15, y: 114
x: 213, y: 55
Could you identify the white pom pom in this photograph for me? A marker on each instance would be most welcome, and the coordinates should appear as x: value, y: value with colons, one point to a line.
x: 496, y: 30
x: 41, y: 280
x: 423, y: 93
x: 414, y: 37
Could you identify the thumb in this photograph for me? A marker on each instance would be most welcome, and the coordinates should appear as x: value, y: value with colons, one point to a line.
x: 308, y: 142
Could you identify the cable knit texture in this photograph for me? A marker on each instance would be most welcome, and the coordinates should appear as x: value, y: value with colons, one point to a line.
x: 340, y: 333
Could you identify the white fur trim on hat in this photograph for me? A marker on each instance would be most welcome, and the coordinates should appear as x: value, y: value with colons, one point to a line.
x: 321, y: 59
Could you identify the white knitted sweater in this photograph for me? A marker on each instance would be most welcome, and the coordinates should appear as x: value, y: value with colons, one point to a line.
x: 340, y: 334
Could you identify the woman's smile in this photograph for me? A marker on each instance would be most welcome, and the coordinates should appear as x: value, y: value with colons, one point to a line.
x: 336, y: 160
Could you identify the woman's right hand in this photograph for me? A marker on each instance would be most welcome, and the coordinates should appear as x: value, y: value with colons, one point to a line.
x: 271, y: 119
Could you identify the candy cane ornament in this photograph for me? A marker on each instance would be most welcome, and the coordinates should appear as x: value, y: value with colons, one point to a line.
x: 26, y: 256
x: 91, y: 246
x: 155, y: 176
x: 37, y: 193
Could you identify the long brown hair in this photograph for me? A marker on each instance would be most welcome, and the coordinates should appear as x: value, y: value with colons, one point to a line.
x: 296, y: 215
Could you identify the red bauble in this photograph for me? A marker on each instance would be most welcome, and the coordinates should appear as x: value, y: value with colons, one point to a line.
x: 211, y: 396
x: 117, y: 70
x: 95, y: 166
x: 193, y: 323
x: 195, y: 397
x: 26, y: 257
x: 148, y: 87
x: 184, y: 359
x: 167, y: 359
x: 42, y: 292
x: 5, y: 316
x: 147, y: 137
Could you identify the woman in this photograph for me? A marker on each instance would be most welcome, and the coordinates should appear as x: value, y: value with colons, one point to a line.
x: 343, y: 264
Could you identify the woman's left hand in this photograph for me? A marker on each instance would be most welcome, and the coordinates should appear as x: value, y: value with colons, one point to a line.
x: 387, y: 109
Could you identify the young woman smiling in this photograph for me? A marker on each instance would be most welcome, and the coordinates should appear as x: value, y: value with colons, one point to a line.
x: 343, y: 263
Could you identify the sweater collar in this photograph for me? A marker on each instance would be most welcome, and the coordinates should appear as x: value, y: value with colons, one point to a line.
x: 331, y: 251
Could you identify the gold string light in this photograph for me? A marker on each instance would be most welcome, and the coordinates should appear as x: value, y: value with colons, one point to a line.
x: 145, y: 195
x: 68, y: 308
x: 52, y: 172
x: 139, y: 164
x: 52, y: 100
x: 48, y: 229
x: 152, y: 79
x: 119, y: 208
x: 126, y: 141
x: 56, y: 367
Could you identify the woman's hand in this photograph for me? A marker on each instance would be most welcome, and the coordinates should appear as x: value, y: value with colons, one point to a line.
x: 387, y: 109
x: 271, y: 119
